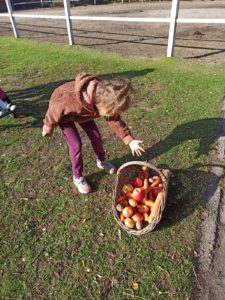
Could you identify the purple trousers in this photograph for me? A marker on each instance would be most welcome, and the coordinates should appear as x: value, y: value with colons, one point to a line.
x: 74, y: 144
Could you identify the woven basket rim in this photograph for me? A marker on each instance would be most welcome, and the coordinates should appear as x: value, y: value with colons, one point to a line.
x: 141, y: 163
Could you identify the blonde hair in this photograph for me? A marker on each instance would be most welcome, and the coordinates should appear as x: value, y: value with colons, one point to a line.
x: 112, y: 97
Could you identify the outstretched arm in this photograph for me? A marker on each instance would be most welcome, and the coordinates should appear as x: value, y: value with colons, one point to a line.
x: 123, y: 132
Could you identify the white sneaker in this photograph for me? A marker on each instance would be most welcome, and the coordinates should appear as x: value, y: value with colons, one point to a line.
x: 107, y: 166
x: 12, y: 107
x: 82, y: 185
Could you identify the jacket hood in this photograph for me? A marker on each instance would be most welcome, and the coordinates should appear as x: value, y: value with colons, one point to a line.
x: 85, y: 85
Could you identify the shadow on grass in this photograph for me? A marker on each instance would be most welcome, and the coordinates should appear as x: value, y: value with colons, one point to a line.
x: 188, y: 188
x: 33, y: 101
x: 206, y: 130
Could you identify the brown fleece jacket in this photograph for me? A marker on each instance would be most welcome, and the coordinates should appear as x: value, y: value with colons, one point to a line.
x: 74, y: 102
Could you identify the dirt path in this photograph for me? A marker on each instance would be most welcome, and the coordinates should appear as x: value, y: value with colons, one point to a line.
x: 201, y: 42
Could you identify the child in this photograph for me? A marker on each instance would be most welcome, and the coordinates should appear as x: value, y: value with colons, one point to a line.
x: 81, y: 101
x: 5, y: 104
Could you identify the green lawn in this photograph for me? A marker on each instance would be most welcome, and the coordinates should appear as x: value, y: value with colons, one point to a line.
x: 58, y: 244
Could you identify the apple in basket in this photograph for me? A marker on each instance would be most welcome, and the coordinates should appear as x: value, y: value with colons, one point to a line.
x: 127, y: 188
x: 129, y: 223
x: 132, y: 202
x: 137, y: 217
x: 142, y: 208
x: 128, y: 211
x: 156, y: 190
x: 137, y: 182
x: 137, y: 194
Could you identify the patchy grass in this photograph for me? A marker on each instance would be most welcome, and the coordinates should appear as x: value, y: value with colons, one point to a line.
x: 58, y: 244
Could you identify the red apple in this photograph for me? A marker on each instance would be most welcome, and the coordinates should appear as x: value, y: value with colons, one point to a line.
x: 137, y: 194
x: 128, y: 211
x: 137, y: 182
x: 156, y: 190
x: 137, y: 217
x: 142, y: 208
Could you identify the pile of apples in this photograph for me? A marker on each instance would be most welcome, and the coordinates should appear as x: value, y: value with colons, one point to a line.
x: 140, y: 201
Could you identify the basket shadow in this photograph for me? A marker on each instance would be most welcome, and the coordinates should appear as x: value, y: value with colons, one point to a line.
x: 189, y: 189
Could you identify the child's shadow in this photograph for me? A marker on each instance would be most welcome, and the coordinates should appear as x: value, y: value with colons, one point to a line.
x: 207, y: 131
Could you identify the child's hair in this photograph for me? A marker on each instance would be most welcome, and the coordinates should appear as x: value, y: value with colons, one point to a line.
x: 112, y: 97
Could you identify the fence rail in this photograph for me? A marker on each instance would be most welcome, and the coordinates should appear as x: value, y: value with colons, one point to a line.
x: 173, y: 20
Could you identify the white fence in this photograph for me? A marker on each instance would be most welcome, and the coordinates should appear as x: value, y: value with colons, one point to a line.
x: 173, y: 20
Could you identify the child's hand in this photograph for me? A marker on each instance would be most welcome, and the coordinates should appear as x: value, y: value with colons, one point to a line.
x: 45, y: 134
x: 135, y: 148
x: 46, y: 131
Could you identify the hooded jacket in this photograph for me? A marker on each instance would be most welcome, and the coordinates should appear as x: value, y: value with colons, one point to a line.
x: 74, y: 101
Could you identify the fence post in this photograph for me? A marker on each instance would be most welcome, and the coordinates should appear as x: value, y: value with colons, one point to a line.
x: 68, y: 21
x: 12, y: 19
x: 173, y: 25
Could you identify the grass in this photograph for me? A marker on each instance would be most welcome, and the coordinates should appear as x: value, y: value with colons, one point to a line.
x: 58, y: 244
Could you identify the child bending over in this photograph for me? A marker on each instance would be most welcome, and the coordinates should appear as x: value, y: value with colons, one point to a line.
x: 80, y: 102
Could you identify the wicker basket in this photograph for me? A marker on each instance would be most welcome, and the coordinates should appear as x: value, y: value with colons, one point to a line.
x: 124, y: 175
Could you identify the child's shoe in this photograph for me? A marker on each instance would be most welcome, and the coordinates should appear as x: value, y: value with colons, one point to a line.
x: 107, y: 166
x: 82, y: 185
x: 11, y: 107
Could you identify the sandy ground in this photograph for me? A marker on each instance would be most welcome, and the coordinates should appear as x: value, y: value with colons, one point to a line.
x: 201, y: 42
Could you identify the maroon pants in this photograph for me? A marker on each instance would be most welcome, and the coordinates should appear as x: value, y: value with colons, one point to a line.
x: 74, y: 144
